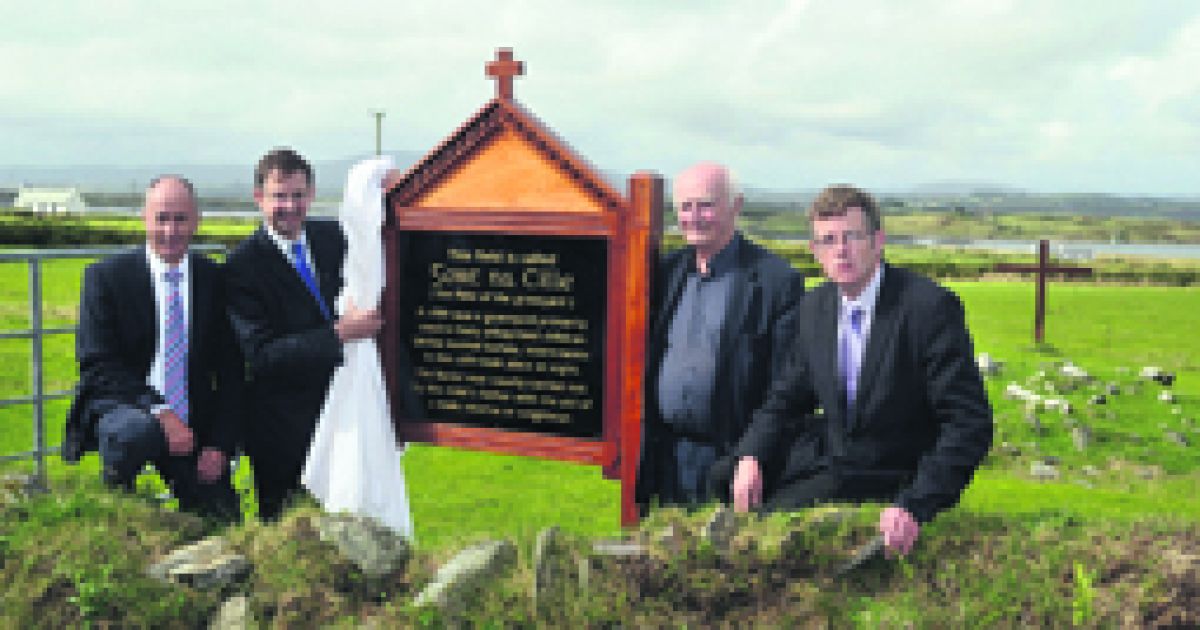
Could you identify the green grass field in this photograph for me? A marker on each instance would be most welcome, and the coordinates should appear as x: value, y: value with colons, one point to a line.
x: 1130, y: 484
x: 1109, y: 331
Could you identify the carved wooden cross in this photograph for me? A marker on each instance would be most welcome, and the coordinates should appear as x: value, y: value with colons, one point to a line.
x: 1042, y: 268
x: 503, y: 69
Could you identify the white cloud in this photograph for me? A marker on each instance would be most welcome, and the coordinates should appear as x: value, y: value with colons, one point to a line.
x: 794, y: 93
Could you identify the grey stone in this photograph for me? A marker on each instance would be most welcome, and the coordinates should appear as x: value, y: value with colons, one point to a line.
x: 1180, y: 564
x: 555, y: 568
x: 1166, y: 396
x: 1043, y: 471
x: 622, y: 549
x: 1151, y: 372
x: 1090, y: 470
x: 1112, y: 389
x: 1052, y: 460
x: 987, y: 365
x: 1097, y: 399
x: 1177, y: 438
x: 466, y: 572
x: 721, y: 527
x: 16, y: 487
x: 670, y: 538
x: 1074, y: 372
x: 1081, y: 436
x: 203, y: 565
x: 1158, y: 375
x: 234, y: 614
x: 366, y: 542
x: 1013, y: 391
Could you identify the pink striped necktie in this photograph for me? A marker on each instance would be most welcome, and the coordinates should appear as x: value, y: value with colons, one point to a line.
x: 177, y: 349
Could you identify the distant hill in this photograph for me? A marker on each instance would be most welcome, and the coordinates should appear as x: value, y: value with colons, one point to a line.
x: 211, y: 180
x: 995, y: 199
x: 232, y: 181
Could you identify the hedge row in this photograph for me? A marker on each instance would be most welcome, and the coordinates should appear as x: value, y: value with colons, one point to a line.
x: 20, y: 229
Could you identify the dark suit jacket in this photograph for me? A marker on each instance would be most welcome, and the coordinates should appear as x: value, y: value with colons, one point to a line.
x: 291, y: 350
x: 764, y: 296
x: 118, y: 334
x: 922, y: 421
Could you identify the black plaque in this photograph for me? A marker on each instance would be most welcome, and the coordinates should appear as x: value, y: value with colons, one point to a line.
x: 503, y: 331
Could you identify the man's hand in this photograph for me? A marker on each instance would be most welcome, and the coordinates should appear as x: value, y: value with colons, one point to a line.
x: 180, y: 440
x: 899, y: 530
x: 356, y: 323
x: 210, y: 465
x: 747, y: 484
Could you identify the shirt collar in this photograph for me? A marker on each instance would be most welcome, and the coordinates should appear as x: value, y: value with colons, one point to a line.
x: 869, y: 296
x: 726, y: 259
x: 159, y: 267
x: 284, y: 244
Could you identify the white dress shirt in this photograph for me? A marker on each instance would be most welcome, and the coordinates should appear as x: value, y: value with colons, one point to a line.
x: 865, y: 302
x: 162, y: 289
x: 285, y: 246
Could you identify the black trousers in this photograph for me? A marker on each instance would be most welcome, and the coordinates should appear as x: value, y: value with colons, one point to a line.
x: 130, y: 438
x: 276, y: 483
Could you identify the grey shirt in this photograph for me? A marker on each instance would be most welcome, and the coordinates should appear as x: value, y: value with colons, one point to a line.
x: 688, y: 373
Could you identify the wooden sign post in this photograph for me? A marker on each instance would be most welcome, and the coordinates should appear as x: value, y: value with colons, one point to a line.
x: 517, y: 294
x: 1042, y: 268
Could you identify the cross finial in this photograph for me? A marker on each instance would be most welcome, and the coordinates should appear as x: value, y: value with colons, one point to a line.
x: 503, y: 69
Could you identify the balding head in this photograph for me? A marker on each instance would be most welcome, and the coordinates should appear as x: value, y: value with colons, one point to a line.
x: 171, y: 217
x: 707, y: 203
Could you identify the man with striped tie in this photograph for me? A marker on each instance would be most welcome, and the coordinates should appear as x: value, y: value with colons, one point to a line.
x: 282, y: 283
x: 159, y: 376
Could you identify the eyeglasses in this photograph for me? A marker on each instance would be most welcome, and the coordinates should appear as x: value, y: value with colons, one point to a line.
x: 845, y: 238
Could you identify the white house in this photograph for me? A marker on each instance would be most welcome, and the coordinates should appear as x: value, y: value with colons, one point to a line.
x: 50, y: 200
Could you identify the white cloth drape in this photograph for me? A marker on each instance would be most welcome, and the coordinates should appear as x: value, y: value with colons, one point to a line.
x: 354, y: 462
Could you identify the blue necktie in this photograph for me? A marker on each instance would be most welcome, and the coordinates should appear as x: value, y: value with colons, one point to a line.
x: 301, y: 263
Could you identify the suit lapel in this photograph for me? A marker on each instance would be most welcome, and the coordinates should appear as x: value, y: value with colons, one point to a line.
x: 202, y: 288
x: 277, y: 263
x: 140, y: 286
x: 324, y: 254
x: 883, y: 332
x: 744, y: 289
x: 831, y: 392
x: 671, y: 294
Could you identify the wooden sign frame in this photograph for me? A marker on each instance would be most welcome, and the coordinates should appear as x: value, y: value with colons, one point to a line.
x: 631, y: 225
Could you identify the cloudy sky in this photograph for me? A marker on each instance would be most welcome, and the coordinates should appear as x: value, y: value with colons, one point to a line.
x: 1061, y: 96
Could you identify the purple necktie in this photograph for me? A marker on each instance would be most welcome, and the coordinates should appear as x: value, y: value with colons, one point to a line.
x: 177, y: 349
x: 850, y: 346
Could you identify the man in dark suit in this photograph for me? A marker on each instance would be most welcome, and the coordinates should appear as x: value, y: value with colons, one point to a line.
x: 283, y: 280
x: 159, y: 376
x: 724, y: 308
x: 887, y: 356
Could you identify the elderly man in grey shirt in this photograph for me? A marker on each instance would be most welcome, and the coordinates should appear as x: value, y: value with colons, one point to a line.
x: 724, y: 314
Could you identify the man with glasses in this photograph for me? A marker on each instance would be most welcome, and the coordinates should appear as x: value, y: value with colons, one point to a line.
x: 887, y: 355
x: 724, y: 309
